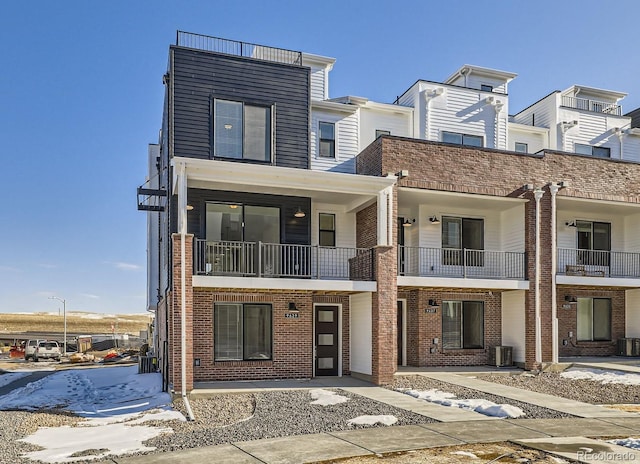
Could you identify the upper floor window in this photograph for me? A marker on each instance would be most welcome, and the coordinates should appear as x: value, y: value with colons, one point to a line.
x: 600, y: 152
x: 327, y: 230
x: 462, y: 139
x: 327, y: 139
x: 241, y: 131
x: 521, y: 147
x: 486, y: 88
x: 380, y: 132
x: 594, y: 242
x: 462, y: 241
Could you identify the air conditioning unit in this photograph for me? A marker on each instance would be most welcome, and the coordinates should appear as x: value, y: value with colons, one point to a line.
x: 501, y: 356
x: 628, y: 347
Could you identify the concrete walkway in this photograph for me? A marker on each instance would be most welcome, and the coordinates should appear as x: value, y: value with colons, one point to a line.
x: 556, y: 403
x: 551, y: 435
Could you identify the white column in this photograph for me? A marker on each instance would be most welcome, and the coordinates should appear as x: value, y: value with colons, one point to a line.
x: 383, y: 217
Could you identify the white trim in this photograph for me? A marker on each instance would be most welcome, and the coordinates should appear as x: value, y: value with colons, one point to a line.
x: 448, y: 282
x: 301, y: 180
x: 334, y: 106
x: 404, y: 331
x: 267, y: 283
x: 313, y: 334
x: 517, y: 127
x: 598, y: 281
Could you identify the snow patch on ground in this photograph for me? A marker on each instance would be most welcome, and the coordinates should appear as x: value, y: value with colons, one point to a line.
x: 7, y: 377
x: 465, y: 453
x: 488, y: 408
x: 326, y: 397
x: 372, y: 420
x: 61, y: 443
x: 628, y: 442
x: 602, y: 376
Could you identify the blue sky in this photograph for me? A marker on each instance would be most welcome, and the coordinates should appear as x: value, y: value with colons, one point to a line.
x: 81, y: 97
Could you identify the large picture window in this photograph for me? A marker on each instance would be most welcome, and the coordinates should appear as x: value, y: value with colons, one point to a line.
x: 598, y: 152
x: 462, y: 324
x: 594, y: 319
x: 462, y: 241
x: 462, y: 139
x: 241, y: 131
x: 242, y: 332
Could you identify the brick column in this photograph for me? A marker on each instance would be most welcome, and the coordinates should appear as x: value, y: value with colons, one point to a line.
x: 545, y: 279
x: 175, y: 345
x: 384, y: 357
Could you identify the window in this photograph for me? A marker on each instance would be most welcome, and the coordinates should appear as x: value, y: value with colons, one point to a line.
x: 327, y: 139
x: 462, y: 324
x: 594, y: 243
x: 522, y: 147
x: 380, y: 132
x: 327, y: 230
x: 486, y: 88
x: 462, y: 139
x: 241, y: 131
x: 242, y: 332
x: 594, y: 319
x: 598, y: 152
x: 462, y: 234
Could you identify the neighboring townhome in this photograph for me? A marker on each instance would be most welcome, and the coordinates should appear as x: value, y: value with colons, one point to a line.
x: 295, y: 235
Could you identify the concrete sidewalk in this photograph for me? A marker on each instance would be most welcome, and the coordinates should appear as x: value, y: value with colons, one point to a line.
x: 546, y: 434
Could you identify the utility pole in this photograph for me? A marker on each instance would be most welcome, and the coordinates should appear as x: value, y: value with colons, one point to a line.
x: 64, y: 309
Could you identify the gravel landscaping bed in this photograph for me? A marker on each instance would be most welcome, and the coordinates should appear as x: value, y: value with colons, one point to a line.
x: 275, y: 414
x: 418, y: 382
x: 586, y: 391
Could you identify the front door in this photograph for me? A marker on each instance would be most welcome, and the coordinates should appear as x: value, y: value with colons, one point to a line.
x: 326, y: 340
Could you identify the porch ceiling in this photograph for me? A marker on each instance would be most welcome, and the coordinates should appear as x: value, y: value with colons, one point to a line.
x: 586, y: 205
x: 411, y: 197
x: 350, y: 190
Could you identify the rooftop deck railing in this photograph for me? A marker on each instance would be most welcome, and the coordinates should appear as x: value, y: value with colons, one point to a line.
x: 591, y: 105
x: 257, y: 259
x: 236, y: 48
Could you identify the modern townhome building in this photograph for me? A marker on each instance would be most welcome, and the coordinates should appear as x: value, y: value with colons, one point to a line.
x: 294, y: 235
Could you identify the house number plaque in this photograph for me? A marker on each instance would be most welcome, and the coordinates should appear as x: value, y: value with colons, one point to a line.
x: 292, y: 315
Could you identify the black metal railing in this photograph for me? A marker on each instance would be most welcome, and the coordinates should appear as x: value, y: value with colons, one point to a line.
x: 236, y: 48
x: 466, y: 263
x: 257, y: 259
x: 595, y: 106
x: 598, y: 263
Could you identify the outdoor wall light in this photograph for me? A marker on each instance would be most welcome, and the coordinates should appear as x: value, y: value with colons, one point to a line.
x: 570, y: 299
x: 433, y: 302
x: 189, y: 207
x: 434, y: 220
x: 408, y: 223
x: 570, y: 224
x: 292, y: 306
x: 299, y: 213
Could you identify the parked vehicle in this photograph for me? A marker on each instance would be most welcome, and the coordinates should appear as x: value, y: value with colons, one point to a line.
x: 47, y: 350
x: 30, y: 349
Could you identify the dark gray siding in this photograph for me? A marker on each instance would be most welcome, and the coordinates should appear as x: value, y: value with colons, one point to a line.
x: 294, y: 230
x: 199, y: 76
x: 635, y: 117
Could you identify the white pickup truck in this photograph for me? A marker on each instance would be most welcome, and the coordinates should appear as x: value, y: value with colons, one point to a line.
x: 47, y: 349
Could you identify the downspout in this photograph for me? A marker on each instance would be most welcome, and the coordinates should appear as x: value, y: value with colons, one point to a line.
x: 553, y: 188
x: 182, y: 208
x: 390, y: 221
x: 538, y: 195
x: 620, y: 134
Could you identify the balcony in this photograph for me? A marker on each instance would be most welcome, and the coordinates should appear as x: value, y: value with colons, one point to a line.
x: 277, y: 260
x: 235, y: 48
x: 596, y: 263
x: 594, y: 106
x: 465, y: 263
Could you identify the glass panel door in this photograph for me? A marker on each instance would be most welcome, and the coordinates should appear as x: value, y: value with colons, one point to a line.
x: 223, y: 224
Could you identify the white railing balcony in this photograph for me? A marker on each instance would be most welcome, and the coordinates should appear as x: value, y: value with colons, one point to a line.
x: 257, y: 259
x: 598, y: 263
x: 595, y: 106
x: 465, y: 263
